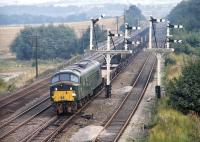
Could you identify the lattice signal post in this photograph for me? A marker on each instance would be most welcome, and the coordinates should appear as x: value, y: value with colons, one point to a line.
x: 151, y: 21
x: 170, y: 26
x: 108, y: 56
x: 127, y: 29
x: 160, y: 51
x: 92, y: 23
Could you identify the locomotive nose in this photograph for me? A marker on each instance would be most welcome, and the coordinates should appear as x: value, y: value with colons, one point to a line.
x: 60, y: 96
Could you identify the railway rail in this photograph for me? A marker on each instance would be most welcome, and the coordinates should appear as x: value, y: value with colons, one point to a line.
x: 25, y: 95
x: 45, y: 132
x: 53, y: 126
x: 15, y: 123
x: 117, y: 123
x: 11, y: 103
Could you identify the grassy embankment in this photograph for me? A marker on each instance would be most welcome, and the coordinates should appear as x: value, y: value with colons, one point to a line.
x: 169, y: 125
x: 25, y: 71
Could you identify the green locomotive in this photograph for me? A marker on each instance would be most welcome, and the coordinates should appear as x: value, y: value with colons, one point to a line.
x: 71, y: 87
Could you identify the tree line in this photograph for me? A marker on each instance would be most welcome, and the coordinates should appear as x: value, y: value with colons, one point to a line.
x: 52, y: 42
x: 39, y: 19
x: 187, y: 13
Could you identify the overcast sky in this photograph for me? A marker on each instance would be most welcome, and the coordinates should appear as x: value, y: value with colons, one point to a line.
x: 81, y: 2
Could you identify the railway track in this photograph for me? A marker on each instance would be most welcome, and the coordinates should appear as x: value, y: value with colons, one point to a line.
x: 117, y: 81
x: 12, y: 103
x: 53, y: 126
x: 51, y: 129
x: 117, y: 123
x: 46, y: 132
x: 15, y: 123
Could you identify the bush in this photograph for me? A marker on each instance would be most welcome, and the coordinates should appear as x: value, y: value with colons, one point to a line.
x: 170, y: 61
x: 191, y: 42
x: 185, y: 91
x: 172, y: 126
x: 2, y: 84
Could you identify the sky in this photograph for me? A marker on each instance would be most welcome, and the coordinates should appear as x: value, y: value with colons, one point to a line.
x: 81, y: 2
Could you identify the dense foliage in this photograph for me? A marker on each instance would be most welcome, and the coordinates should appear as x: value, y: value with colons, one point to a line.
x: 132, y: 16
x: 53, y: 42
x: 185, y: 91
x: 191, y: 42
x: 187, y: 13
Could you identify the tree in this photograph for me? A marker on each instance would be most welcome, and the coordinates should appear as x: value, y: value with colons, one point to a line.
x: 185, y: 91
x: 53, y: 42
x: 187, y: 13
x: 132, y: 16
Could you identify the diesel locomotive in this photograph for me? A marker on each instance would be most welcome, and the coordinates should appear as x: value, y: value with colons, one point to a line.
x: 71, y: 87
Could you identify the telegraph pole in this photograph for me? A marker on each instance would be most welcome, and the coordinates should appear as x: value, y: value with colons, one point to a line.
x: 150, y: 33
x: 35, y: 39
x: 36, y: 56
x: 117, y: 20
x: 124, y: 16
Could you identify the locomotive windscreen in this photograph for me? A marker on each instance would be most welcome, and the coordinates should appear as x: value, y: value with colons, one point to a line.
x: 65, y: 77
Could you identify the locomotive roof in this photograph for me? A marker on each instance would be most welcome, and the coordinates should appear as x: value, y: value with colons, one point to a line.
x: 81, y: 67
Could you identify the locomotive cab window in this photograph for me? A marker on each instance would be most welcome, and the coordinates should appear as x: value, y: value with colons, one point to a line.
x: 74, y: 78
x: 65, y: 77
x: 55, y: 79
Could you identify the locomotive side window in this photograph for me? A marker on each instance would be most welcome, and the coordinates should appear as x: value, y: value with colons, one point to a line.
x: 74, y: 78
x: 55, y: 79
x: 64, y: 77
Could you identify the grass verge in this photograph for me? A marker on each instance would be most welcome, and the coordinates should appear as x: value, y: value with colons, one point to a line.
x: 19, y: 73
x: 173, y: 126
x: 168, y: 124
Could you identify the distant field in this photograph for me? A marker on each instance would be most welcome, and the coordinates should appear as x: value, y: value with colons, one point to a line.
x: 9, y: 33
x: 7, y: 36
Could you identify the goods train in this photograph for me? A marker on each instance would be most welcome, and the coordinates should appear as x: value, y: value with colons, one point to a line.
x: 71, y: 87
